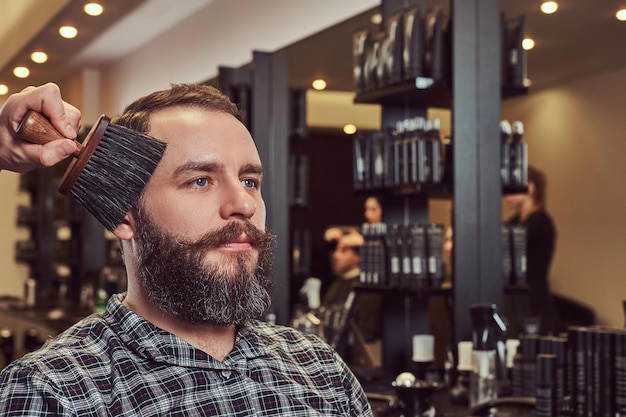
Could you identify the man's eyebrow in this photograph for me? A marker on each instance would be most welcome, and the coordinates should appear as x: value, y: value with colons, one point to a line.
x: 206, y: 166
x: 251, y: 169
x: 211, y: 166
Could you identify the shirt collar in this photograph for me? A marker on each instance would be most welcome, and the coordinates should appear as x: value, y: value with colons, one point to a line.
x: 156, y: 344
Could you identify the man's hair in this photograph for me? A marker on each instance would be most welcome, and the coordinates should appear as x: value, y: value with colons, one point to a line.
x: 136, y: 116
x: 538, y: 178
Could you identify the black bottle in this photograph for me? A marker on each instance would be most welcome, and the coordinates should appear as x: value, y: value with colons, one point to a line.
x: 545, y: 388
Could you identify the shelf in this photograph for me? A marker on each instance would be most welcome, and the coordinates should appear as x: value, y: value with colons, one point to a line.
x: 419, y: 92
x: 441, y: 191
x: 514, y: 189
x: 510, y: 91
x: 508, y: 289
x: 516, y: 289
x: 422, y: 92
x: 395, y: 289
x: 437, y: 191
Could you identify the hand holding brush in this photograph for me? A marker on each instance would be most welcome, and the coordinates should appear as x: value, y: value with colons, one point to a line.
x: 110, y: 168
x: 20, y: 156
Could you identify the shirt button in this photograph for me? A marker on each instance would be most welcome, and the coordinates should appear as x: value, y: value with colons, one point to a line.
x: 226, y: 373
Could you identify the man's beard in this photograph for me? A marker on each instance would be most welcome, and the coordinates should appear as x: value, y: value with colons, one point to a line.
x: 176, y: 278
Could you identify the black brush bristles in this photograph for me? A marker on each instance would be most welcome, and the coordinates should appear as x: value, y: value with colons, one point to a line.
x: 110, y: 168
x: 116, y: 174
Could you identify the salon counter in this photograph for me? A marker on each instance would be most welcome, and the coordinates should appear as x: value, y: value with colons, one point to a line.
x: 23, y: 328
x: 386, y: 403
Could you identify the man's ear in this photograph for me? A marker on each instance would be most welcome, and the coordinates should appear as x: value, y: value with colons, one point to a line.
x: 126, y: 229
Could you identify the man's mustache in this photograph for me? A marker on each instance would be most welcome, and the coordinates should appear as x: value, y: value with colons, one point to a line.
x: 258, y: 239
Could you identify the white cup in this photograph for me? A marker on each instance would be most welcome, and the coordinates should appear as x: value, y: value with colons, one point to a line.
x: 423, y: 348
x: 465, y: 356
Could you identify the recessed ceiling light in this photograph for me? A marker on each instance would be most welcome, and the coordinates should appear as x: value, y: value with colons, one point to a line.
x: 349, y: 129
x: 21, y: 72
x: 4, y: 90
x: 39, y: 57
x: 93, y: 9
x: 549, y: 7
x: 319, y: 84
x: 528, y: 44
x: 621, y: 15
x: 68, y: 32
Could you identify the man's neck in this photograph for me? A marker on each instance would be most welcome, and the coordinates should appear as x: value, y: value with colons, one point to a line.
x: 216, y: 341
x: 353, y: 273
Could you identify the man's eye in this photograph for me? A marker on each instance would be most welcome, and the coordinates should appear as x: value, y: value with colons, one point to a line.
x: 249, y: 183
x: 200, y: 182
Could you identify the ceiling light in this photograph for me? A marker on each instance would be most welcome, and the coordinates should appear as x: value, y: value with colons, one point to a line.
x: 349, y: 129
x: 621, y: 15
x: 63, y: 271
x: 528, y: 44
x: 4, y: 90
x: 549, y: 7
x: 93, y: 9
x: 319, y: 84
x: 376, y: 19
x: 68, y: 32
x: 21, y: 72
x: 39, y: 57
x: 64, y: 233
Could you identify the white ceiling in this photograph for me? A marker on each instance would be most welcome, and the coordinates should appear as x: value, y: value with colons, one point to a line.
x: 124, y: 27
x: 139, y: 27
x: 582, y: 38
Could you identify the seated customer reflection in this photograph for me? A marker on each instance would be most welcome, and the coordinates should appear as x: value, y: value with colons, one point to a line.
x: 365, y: 313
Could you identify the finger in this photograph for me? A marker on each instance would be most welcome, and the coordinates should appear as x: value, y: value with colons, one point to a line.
x: 74, y: 119
x: 64, y: 117
x: 54, y: 152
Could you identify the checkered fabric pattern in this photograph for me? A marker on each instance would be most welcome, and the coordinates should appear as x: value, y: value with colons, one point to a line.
x: 118, y: 364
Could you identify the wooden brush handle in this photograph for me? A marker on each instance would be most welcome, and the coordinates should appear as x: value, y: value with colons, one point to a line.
x: 36, y: 128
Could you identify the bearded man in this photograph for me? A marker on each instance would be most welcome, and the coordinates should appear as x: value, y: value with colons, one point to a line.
x: 185, y: 339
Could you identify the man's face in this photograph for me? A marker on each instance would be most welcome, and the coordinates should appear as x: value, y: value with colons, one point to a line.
x: 345, y: 259
x: 203, y: 253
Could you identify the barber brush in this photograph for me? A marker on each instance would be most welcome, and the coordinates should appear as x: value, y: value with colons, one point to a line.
x: 110, y: 168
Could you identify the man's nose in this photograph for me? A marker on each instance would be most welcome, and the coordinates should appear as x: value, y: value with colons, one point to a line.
x: 238, y: 202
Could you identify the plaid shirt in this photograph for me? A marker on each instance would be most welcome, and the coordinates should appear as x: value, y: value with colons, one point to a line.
x: 118, y: 364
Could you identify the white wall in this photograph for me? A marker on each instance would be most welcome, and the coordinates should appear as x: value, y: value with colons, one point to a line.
x: 577, y: 134
x: 13, y: 274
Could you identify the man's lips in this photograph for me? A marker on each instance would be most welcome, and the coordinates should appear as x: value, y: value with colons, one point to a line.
x: 241, y: 244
